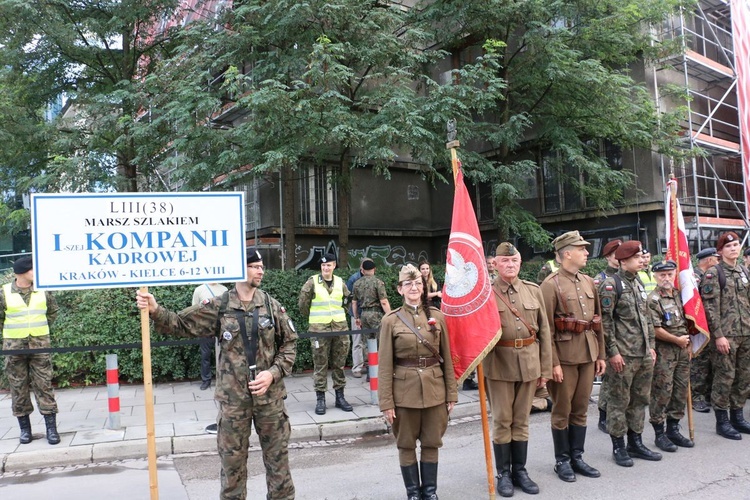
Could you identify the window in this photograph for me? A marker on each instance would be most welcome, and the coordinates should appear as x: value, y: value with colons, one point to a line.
x: 481, y: 197
x: 318, y: 198
x: 252, y: 207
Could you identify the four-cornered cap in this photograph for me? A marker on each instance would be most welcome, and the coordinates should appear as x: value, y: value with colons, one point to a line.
x: 628, y: 249
x: 570, y: 238
x: 505, y: 249
x: 408, y: 272
x: 253, y: 255
x: 368, y: 265
x: 706, y: 252
x: 668, y: 265
x: 726, y: 238
x: 611, y: 247
x: 23, y: 265
x: 329, y: 257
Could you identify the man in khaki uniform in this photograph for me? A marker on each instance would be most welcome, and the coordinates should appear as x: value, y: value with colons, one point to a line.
x: 572, y: 306
x: 519, y: 363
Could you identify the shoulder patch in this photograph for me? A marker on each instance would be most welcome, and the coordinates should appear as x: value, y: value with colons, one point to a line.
x: 708, y: 288
x: 709, y: 276
x: 205, y: 302
x: 609, y: 288
x: 283, y: 309
x: 606, y: 302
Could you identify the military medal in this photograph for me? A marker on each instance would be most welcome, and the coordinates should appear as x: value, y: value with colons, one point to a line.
x: 227, y: 336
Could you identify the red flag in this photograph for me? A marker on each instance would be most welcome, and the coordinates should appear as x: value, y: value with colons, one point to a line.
x: 679, y: 251
x: 472, y: 318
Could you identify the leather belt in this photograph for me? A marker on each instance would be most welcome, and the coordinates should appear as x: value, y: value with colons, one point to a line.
x: 420, y: 362
x: 517, y: 343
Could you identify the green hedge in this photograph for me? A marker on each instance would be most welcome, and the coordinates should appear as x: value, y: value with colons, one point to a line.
x: 109, y: 316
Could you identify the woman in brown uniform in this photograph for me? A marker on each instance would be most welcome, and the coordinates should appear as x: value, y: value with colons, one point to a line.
x: 417, y: 385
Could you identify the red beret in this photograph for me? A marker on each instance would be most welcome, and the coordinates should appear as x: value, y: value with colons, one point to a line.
x: 611, y: 247
x: 628, y: 249
x: 726, y: 238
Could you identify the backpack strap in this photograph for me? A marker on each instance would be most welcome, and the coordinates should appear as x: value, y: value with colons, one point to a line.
x: 222, y: 311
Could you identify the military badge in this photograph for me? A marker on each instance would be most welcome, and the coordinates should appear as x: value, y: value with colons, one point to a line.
x: 227, y: 336
x: 708, y: 289
x: 205, y: 302
x: 291, y: 325
x: 606, y: 302
x: 609, y: 288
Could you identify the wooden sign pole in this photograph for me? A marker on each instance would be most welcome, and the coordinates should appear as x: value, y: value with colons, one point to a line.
x: 149, y: 395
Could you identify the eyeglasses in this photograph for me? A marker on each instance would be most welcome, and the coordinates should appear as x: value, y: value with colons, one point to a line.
x: 257, y: 267
x: 412, y: 284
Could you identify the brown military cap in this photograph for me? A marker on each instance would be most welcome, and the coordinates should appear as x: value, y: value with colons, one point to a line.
x: 506, y: 249
x: 628, y: 249
x: 408, y: 272
x: 726, y: 238
x: 611, y: 247
x: 570, y: 238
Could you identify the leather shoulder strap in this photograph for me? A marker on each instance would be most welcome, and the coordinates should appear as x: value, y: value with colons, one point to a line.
x: 429, y: 346
x: 515, y: 313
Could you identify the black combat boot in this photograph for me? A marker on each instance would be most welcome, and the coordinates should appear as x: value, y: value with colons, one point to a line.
x: 469, y: 385
x: 561, y: 440
x: 577, y: 434
x: 737, y: 419
x: 723, y: 427
x: 673, y: 433
x: 428, y: 471
x: 341, y: 402
x: 519, y: 475
x: 637, y: 449
x: 320, y: 406
x: 51, y: 422
x: 603, y: 421
x: 662, y: 441
x: 410, y: 474
x: 620, y: 452
x: 502, y: 465
x: 701, y: 406
x: 25, y: 424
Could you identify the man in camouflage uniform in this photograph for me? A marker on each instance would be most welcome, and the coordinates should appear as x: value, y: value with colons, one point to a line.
x: 25, y: 318
x: 672, y: 369
x: 548, y: 268
x: 701, y: 371
x: 725, y: 290
x: 370, y: 299
x: 645, y: 275
x: 629, y: 339
x: 248, y: 390
x: 608, y: 252
x: 323, y: 300
x: 359, y: 360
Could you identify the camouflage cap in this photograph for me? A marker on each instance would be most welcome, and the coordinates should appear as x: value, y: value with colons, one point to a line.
x: 505, y: 249
x: 611, y: 247
x: 567, y: 239
x: 408, y: 272
x: 726, y: 238
x: 628, y: 249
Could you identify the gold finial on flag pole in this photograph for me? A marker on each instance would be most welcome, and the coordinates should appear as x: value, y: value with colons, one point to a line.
x: 452, y: 144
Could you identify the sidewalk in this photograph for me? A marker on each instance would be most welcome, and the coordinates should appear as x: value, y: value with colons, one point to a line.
x: 181, y: 413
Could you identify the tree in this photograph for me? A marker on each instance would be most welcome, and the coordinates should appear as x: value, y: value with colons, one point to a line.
x: 93, y: 52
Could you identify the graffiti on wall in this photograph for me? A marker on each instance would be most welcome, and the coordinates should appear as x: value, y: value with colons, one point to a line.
x: 391, y: 255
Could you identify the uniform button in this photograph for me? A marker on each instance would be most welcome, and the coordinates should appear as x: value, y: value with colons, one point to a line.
x: 420, y: 370
x: 518, y: 328
x: 419, y: 328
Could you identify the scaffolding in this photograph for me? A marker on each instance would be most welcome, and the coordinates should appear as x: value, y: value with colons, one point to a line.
x: 711, y: 184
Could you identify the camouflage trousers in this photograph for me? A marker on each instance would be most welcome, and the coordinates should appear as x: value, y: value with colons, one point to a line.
x: 30, y: 372
x: 370, y: 320
x: 603, y: 392
x: 629, y: 393
x: 273, y: 429
x: 701, y: 375
x: 330, y: 352
x: 670, y: 383
x: 731, y: 385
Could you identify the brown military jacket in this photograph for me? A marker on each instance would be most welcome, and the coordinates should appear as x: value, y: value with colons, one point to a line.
x: 526, y: 363
x: 666, y: 311
x: 413, y: 387
x: 277, y: 347
x: 727, y: 310
x: 582, y: 301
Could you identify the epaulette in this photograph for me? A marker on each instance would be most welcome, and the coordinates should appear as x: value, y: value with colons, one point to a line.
x: 531, y: 283
x: 393, y: 311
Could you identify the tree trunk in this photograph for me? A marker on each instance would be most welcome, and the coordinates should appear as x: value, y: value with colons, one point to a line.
x: 344, y: 193
x: 288, y: 220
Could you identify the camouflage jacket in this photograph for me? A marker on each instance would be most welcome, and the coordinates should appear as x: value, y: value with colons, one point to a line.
x: 368, y: 292
x: 625, y: 321
x: 666, y: 311
x: 277, y: 339
x: 727, y: 309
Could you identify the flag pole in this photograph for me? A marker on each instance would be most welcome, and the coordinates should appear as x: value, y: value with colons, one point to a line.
x: 452, y: 144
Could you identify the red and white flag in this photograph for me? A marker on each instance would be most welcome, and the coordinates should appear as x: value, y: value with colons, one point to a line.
x: 472, y: 317
x: 679, y: 251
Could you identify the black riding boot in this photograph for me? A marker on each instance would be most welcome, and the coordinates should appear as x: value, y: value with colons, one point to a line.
x: 637, y: 449
x: 662, y: 441
x: 673, y: 433
x: 519, y: 475
x: 723, y: 427
x: 737, y: 419
x: 51, y: 422
x: 320, y: 406
x: 428, y: 472
x: 577, y: 434
x: 410, y: 474
x: 341, y: 402
x: 502, y: 465
x: 25, y: 424
x: 620, y: 452
x: 561, y: 441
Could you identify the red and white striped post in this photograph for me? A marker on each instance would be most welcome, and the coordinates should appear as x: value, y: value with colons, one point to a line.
x: 113, y: 391
x: 372, y: 369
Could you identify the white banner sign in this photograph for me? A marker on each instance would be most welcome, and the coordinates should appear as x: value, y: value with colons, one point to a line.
x: 113, y: 240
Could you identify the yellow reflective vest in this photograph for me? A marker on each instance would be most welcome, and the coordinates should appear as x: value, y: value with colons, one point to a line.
x: 327, y: 307
x: 648, y: 280
x: 22, y: 320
